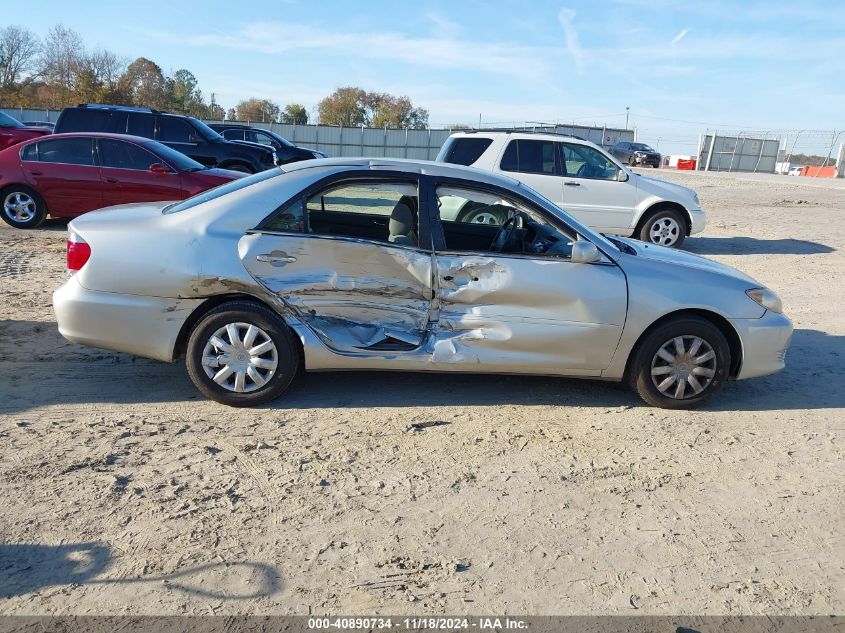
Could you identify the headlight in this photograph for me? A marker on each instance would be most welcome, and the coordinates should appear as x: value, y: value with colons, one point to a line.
x: 766, y: 298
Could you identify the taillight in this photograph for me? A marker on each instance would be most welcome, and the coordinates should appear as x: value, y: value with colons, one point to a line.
x: 78, y: 251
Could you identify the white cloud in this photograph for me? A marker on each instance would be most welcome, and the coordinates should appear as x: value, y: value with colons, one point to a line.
x: 681, y: 35
x: 573, y: 44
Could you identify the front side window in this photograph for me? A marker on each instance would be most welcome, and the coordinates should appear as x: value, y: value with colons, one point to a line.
x: 260, y: 137
x: 483, y: 222
x: 140, y: 124
x: 381, y: 211
x: 122, y: 155
x: 233, y: 135
x: 68, y: 151
x: 582, y: 161
x: 530, y: 157
x: 173, y: 130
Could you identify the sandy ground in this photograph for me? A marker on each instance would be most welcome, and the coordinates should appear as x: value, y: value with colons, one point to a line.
x: 122, y: 491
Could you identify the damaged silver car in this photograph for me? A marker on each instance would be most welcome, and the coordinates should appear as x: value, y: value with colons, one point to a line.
x: 383, y: 264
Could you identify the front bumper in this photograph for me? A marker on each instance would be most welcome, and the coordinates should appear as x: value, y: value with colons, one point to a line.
x: 764, y: 343
x: 698, y: 220
x: 144, y: 326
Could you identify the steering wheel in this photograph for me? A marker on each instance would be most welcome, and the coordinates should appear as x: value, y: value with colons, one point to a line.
x: 506, y: 238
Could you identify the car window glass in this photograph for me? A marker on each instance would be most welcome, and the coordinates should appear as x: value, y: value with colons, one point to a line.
x: 83, y: 120
x: 122, y: 155
x: 30, y: 152
x: 529, y: 157
x: 259, y: 137
x: 465, y: 151
x: 290, y: 217
x: 141, y: 125
x: 7, y: 121
x: 234, y: 135
x: 582, y: 161
x: 478, y: 221
x: 173, y: 130
x: 386, y: 212
x: 68, y: 151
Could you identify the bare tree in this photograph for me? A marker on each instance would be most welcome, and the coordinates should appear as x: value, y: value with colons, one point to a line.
x: 18, y: 56
x: 61, y: 57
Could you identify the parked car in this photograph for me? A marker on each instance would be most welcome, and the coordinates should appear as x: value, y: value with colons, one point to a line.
x: 286, y: 151
x: 796, y: 170
x: 65, y: 175
x: 13, y: 131
x: 186, y: 134
x: 636, y: 154
x: 342, y: 264
x: 581, y: 178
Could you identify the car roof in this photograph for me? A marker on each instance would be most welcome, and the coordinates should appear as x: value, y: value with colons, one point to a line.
x: 427, y: 167
x: 141, y: 140
x: 522, y: 134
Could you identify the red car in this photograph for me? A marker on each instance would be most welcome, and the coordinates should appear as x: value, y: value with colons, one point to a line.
x: 66, y: 175
x: 13, y: 131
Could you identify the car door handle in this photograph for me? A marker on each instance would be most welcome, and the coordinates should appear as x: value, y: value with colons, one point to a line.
x: 275, y: 259
x: 569, y: 183
x: 112, y: 180
x: 35, y: 173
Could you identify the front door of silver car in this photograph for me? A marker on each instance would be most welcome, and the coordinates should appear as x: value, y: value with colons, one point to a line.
x: 348, y: 262
x: 511, y: 298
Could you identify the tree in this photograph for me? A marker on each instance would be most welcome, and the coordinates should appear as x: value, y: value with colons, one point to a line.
x: 144, y: 84
x: 353, y: 106
x: 345, y: 106
x: 18, y: 56
x: 230, y: 115
x: 61, y: 53
x: 253, y: 109
x: 295, y: 113
x: 184, y: 95
x: 216, y: 112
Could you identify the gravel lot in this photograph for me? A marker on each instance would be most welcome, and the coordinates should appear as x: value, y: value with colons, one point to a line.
x: 122, y: 491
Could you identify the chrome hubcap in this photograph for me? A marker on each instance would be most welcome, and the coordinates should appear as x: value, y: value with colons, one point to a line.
x: 19, y: 207
x: 484, y: 217
x: 664, y: 231
x: 240, y: 357
x: 683, y: 367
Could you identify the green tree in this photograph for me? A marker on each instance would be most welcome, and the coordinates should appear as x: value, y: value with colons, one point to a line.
x: 345, y: 106
x: 396, y: 112
x: 352, y: 106
x: 144, y: 84
x: 295, y: 113
x: 254, y: 109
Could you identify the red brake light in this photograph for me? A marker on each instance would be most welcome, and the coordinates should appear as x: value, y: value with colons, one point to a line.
x: 78, y: 252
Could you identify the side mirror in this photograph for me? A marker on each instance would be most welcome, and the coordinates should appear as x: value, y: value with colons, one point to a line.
x: 584, y: 252
x: 159, y: 168
x: 622, y: 176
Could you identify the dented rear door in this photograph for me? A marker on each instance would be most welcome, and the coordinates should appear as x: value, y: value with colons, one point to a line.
x: 356, y: 294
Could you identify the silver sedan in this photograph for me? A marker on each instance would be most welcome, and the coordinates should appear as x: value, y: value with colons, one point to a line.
x: 369, y: 264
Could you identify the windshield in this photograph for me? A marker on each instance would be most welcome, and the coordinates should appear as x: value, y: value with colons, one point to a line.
x: 7, y: 121
x: 207, y: 132
x: 641, y: 147
x: 176, y: 159
x: 222, y: 190
x: 281, y: 139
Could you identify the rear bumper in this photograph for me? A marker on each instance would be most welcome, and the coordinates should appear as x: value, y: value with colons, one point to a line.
x: 144, y: 326
x: 764, y: 344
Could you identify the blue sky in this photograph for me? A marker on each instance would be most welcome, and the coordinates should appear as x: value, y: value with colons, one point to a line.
x: 679, y: 66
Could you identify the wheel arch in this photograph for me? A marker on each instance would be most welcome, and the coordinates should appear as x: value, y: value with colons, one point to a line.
x: 659, y: 206
x: 236, y: 162
x: 720, y: 322
x: 210, y: 304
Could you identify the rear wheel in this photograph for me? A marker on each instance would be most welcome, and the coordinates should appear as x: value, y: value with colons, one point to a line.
x: 23, y: 208
x: 244, y: 169
x: 665, y: 227
x: 242, y: 354
x: 680, y: 364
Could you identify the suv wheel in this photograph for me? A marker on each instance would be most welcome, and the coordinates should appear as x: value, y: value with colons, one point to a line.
x: 23, y: 208
x: 665, y: 227
x: 681, y: 363
x: 242, y: 354
x: 244, y: 169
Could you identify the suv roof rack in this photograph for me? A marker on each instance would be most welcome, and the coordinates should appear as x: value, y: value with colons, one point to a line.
x: 511, y: 130
x: 106, y: 106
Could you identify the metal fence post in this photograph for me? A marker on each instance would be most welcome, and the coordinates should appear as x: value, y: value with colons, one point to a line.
x: 340, y: 148
x: 710, y: 154
x: 361, y: 153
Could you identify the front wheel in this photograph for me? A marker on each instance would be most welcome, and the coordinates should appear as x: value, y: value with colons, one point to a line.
x: 665, y: 227
x: 23, y: 208
x: 240, y: 168
x: 680, y: 364
x: 242, y: 354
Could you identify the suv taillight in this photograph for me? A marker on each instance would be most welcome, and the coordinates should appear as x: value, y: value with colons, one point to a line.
x: 78, y: 252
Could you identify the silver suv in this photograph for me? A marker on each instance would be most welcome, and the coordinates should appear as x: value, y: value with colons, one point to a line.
x: 586, y: 181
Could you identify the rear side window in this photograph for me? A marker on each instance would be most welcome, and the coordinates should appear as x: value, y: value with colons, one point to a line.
x: 68, y: 151
x: 173, y: 130
x: 465, y: 151
x: 122, y: 155
x: 530, y: 157
x: 83, y: 120
x: 30, y: 152
x: 141, y: 125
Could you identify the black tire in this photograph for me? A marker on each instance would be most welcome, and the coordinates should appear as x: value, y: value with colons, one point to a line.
x: 271, y: 325
x: 37, y: 215
x: 645, y: 361
x: 676, y: 227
